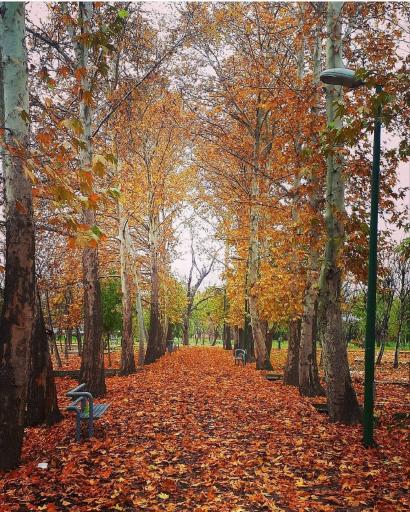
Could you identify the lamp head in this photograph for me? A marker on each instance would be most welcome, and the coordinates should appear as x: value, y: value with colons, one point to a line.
x: 340, y: 76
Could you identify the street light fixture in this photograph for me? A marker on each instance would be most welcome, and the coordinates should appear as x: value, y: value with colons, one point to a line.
x: 347, y: 78
x: 340, y: 76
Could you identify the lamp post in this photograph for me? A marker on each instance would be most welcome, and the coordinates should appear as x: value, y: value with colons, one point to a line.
x: 346, y: 77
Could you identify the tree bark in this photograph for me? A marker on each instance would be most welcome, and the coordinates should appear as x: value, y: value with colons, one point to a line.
x: 42, y: 406
x: 341, y: 397
x: 228, y: 341
x: 92, y: 362
x: 185, y: 328
x: 261, y: 354
x: 384, y: 328
x: 127, y: 365
x: 291, y: 373
x: 309, y: 381
x: 79, y: 340
x: 52, y: 335
x: 17, y: 318
x: 154, y: 345
x: 140, y: 318
x: 404, y: 312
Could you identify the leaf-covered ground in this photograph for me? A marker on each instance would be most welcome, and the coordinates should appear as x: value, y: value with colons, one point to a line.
x: 193, y: 432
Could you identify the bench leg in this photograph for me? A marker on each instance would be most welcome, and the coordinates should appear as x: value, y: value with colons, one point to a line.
x: 90, y: 426
x: 77, y: 428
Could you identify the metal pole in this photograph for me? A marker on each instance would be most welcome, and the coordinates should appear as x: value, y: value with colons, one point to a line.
x: 368, y: 420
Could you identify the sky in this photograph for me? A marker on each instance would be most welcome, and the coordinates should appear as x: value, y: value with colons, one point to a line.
x: 181, y: 265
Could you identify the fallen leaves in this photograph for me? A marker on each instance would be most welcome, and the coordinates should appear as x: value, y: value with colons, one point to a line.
x: 193, y: 432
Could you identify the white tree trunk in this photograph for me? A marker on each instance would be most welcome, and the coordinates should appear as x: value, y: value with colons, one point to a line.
x: 17, y: 319
x: 92, y: 361
x: 127, y: 342
x: 309, y: 382
x: 261, y: 353
x: 341, y: 397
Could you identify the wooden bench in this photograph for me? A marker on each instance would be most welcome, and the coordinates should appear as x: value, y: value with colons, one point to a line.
x: 239, y: 356
x: 84, y: 409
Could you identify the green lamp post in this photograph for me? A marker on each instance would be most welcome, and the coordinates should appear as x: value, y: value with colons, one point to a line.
x: 346, y: 78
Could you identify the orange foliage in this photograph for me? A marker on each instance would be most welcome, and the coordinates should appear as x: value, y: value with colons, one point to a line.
x: 193, y: 432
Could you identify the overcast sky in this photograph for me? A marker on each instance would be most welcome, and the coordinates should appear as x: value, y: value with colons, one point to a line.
x: 38, y: 10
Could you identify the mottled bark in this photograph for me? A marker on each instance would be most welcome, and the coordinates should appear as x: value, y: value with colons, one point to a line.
x: 52, y: 336
x: 140, y: 317
x: 42, y: 406
x: 127, y: 365
x: 191, y: 292
x: 309, y: 381
x: 17, y: 317
x: 79, y: 340
x: 154, y: 345
x: 341, y: 397
x: 92, y: 362
x: 261, y: 354
x: 291, y: 373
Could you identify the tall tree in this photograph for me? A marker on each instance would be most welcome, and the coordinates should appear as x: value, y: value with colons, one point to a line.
x: 192, y: 289
x: 308, y: 380
x: 92, y: 360
x: 127, y: 365
x: 341, y: 397
x: 17, y: 318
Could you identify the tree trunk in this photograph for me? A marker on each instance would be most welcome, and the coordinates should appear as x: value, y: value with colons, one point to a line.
x: 384, y: 328
x: 396, y: 353
x: 92, y: 362
x: 17, y: 317
x: 269, y: 340
x: 381, y: 352
x: 52, y: 335
x: 66, y: 346
x: 291, y: 373
x: 140, y: 318
x: 79, y: 340
x: 127, y: 365
x: 185, y: 335
x: 309, y: 381
x: 341, y: 397
x: 170, y: 336
x: 228, y: 341
x: 42, y: 406
x: 109, y: 349
x: 69, y: 339
x: 404, y: 312
x: 154, y: 348
x: 261, y: 354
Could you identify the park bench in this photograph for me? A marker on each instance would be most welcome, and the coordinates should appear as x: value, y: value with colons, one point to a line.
x: 239, y: 356
x: 173, y: 346
x: 83, y: 410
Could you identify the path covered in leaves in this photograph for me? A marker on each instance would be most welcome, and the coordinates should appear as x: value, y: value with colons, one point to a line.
x: 193, y: 432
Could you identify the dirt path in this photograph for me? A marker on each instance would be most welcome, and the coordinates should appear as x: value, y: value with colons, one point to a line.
x: 193, y: 432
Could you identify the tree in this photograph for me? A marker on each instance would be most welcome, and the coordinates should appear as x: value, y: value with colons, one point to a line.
x: 127, y: 365
x: 92, y: 360
x: 192, y: 289
x: 156, y: 178
x: 18, y: 314
x: 341, y: 397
